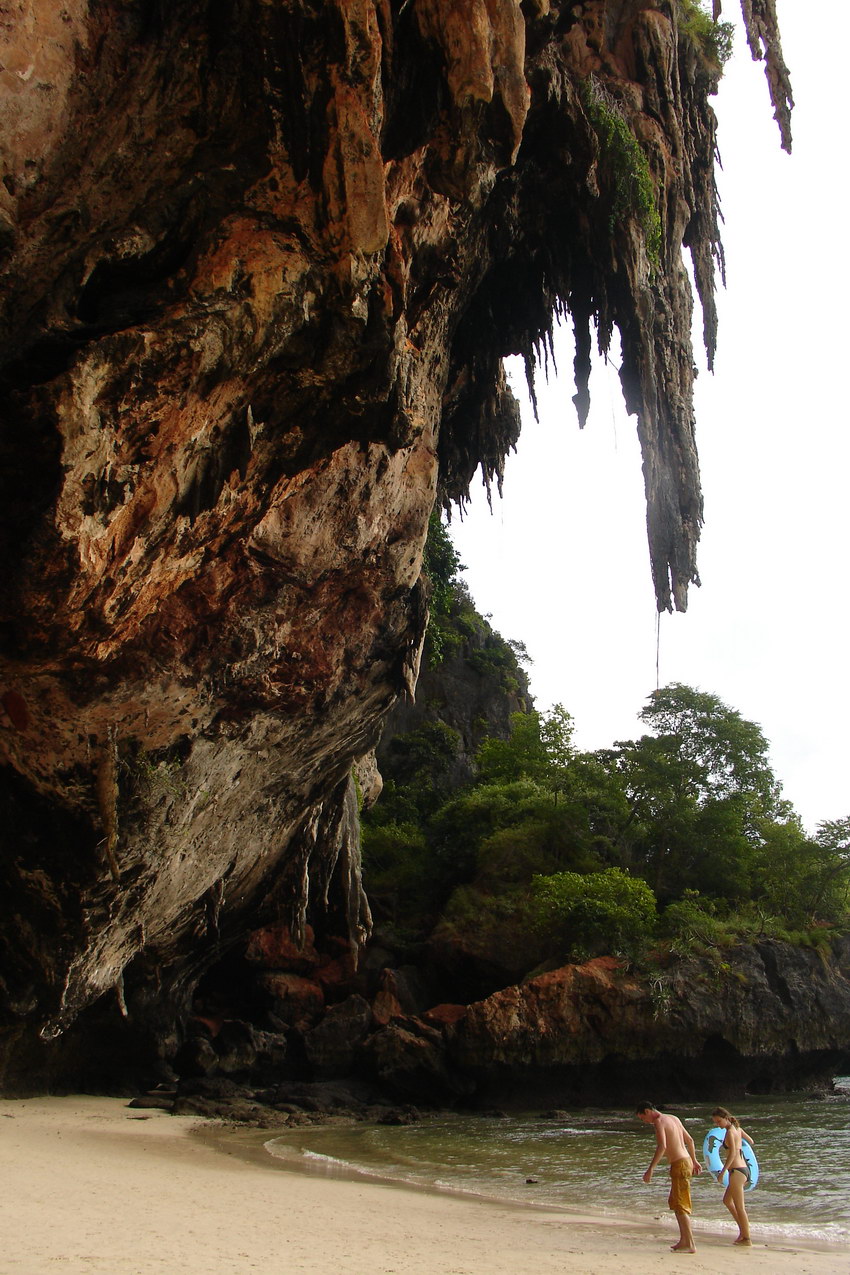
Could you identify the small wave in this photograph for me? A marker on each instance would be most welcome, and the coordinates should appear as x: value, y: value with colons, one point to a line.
x: 827, y: 1233
x: 327, y: 1159
x: 286, y: 1151
x: 831, y: 1233
x: 330, y: 1163
x: 573, y: 1133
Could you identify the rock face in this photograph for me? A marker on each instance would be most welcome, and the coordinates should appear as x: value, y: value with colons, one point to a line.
x: 473, y: 690
x: 259, y: 264
x: 766, y: 1018
x: 770, y: 1018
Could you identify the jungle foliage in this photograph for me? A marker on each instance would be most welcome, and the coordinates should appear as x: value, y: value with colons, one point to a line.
x: 625, y: 166
x: 454, y: 624
x: 442, y: 567
x: 713, y: 39
x: 676, y: 841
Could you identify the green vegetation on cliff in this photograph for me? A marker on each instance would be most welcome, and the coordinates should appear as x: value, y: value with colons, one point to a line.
x: 676, y: 841
x: 455, y: 627
x: 505, y: 849
x: 713, y: 39
x: 620, y: 154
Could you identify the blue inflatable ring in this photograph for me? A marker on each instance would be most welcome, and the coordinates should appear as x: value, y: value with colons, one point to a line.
x: 712, y: 1152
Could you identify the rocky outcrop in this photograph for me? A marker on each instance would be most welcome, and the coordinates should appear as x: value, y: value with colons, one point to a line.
x: 472, y: 688
x: 260, y: 264
x: 767, y: 1018
x: 763, y: 1019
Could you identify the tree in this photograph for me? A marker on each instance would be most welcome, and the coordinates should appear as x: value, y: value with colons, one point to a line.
x: 832, y: 881
x: 399, y: 868
x: 719, y: 753
x: 418, y: 773
x: 539, y: 747
x: 803, y: 879
x: 595, y: 913
x: 699, y: 790
x: 467, y: 821
x: 442, y: 567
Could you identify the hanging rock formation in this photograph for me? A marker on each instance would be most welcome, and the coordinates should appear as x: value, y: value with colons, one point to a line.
x: 260, y: 263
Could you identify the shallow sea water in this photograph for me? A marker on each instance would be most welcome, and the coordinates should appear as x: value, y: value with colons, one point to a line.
x: 594, y: 1160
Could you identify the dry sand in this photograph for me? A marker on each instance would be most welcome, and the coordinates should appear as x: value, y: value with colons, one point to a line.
x: 90, y: 1185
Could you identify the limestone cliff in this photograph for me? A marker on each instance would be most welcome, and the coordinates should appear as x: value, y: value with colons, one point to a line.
x: 261, y: 260
x: 472, y: 687
x: 769, y: 1017
x: 766, y: 1017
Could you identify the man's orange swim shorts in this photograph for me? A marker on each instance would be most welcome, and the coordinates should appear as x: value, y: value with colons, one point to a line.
x: 680, y: 1186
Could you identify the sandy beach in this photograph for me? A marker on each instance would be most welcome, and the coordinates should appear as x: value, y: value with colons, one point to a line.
x: 91, y: 1185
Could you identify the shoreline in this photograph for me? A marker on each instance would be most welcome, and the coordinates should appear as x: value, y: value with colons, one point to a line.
x: 250, y: 1144
x: 93, y: 1187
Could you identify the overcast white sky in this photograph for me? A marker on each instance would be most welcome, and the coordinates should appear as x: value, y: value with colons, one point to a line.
x: 563, y: 565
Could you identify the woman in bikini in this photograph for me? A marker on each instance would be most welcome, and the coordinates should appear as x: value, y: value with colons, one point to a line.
x: 733, y: 1196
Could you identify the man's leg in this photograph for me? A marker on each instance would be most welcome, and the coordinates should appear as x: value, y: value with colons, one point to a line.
x: 686, y: 1235
x: 680, y: 1203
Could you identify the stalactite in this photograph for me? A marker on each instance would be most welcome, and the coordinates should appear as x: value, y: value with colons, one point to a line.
x: 762, y: 27
x: 106, y: 787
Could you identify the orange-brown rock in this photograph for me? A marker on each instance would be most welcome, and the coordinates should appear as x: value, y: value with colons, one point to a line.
x: 387, y: 1002
x: 444, y: 1015
x: 574, y: 1016
x: 259, y: 265
x: 296, y: 1001
x: 774, y: 1017
x: 276, y: 948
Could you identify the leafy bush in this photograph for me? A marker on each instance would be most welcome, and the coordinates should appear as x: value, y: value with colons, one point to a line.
x: 397, y: 871
x: 625, y: 165
x: 594, y: 914
x: 417, y: 770
x: 465, y: 822
x: 497, y: 660
x: 714, y: 39
x: 492, y: 928
x: 693, y: 923
x: 535, y: 847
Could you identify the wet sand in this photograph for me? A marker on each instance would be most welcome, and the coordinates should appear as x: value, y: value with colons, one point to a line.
x: 92, y: 1187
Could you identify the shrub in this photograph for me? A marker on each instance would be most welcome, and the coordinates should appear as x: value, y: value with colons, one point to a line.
x: 493, y: 929
x: 713, y: 39
x: 625, y: 165
x: 397, y: 872
x: 418, y: 769
x: 538, y: 846
x: 594, y: 914
x: 465, y: 821
x: 692, y: 923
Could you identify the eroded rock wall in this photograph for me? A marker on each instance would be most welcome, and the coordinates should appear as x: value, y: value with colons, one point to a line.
x: 766, y: 1018
x: 260, y: 264
x: 761, y: 1018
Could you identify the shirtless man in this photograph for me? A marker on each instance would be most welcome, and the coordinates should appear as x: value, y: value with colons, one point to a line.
x: 675, y: 1144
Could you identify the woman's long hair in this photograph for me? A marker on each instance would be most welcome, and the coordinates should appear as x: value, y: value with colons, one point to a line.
x: 725, y: 1115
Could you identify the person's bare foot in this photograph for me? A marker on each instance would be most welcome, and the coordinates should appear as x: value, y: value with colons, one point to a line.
x: 682, y: 1248
x: 747, y: 1243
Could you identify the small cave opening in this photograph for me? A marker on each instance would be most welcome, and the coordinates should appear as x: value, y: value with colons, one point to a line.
x: 230, y: 989
x: 720, y: 1053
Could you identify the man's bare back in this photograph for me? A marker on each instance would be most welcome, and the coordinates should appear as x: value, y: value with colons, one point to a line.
x: 670, y: 1135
